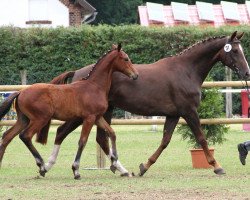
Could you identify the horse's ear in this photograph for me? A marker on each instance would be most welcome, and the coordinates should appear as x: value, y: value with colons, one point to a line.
x: 239, y: 36
x: 233, y: 36
x: 119, y: 47
x: 114, y: 46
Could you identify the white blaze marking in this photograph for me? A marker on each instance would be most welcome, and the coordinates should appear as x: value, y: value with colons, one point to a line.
x: 240, y: 47
x: 52, y: 158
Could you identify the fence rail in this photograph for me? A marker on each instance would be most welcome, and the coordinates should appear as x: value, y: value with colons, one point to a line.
x: 208, y: 84
x: 152, y: 121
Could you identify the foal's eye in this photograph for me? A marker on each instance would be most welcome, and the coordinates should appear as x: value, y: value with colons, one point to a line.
x: 126, y: 59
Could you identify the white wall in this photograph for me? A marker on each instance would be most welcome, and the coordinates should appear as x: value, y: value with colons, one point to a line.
x: 16, y: 13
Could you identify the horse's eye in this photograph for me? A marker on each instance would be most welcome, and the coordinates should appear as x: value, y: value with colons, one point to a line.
x: 126, y: 59
x: 235, y: 50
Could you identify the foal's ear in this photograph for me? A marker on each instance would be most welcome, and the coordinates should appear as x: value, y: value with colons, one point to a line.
x: 119, y: 47
x: 114, y: 46
x: 233, y: 36
x: 239, y: 36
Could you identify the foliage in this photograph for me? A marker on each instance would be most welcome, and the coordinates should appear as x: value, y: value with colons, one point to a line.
x: 116, y: 12
x: 211, y: 107
x: 46, y: 53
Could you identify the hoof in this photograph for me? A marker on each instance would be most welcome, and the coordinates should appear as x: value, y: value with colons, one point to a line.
x: 128, y: 174
x: 113, y: 168
x: 77, y: 177
x: 219, y: 171
x: 42, y: 173
x: 142, y: 169
x: 125, y: 174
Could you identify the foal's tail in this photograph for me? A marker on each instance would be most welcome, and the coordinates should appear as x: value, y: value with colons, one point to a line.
x: 42, y: 136
x: 6, y: 105
x: 63, y: 78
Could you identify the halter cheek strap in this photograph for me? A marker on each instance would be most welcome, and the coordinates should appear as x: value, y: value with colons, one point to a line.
x: 227, y: 48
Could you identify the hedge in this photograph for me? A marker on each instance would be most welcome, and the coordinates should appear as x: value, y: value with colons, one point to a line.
x: 45, y: 53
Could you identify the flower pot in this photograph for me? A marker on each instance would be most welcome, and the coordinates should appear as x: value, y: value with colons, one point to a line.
x: 199, y: 159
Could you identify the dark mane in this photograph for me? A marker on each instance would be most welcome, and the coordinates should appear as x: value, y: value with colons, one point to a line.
x: 199, y: 43
x: 94, y: 66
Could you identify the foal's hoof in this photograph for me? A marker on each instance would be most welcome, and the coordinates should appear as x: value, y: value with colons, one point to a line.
x: 77, y: 177
x: 142, y: 169
x: 219, y: 171
x: 42, y: 172
x: 113, y: 168
x: 128, y: 174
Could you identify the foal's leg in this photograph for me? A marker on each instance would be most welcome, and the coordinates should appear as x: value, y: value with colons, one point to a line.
x: 26, y: 137
x: 86, y: 128
x: 101, y: 123
x: 169, y: 127
x: 102, y: 137
x: 62, y: 133
x: 10, y: 134
x: 194, y: 123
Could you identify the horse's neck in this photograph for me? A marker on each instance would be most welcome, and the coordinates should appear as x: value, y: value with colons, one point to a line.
x: 203, y: 57
x: 102, y: 74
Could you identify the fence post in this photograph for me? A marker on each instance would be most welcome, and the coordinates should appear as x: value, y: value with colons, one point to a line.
x: 100, y: 157
x: 23, y: 74
x: 229, y: 110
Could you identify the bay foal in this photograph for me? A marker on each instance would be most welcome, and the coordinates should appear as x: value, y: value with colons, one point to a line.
x: 85, y: 100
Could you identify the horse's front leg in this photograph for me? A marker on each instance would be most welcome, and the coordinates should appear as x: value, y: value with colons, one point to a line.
x: 193, y: 122
x: 169, y: 127
x: 62, y: 132
x: 86, y: 128
x: 116, y: 164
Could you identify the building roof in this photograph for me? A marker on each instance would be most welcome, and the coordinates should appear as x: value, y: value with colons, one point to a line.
x: 219, y: 18
x: 86, y: 6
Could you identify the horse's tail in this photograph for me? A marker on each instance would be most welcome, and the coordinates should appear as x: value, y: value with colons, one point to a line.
x: 62, y: 79
x: 42, y: 136
x: 6, y: 105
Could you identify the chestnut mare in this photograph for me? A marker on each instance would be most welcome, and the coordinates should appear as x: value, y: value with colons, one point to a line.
x: 170, y: 87
x: 85, y: 99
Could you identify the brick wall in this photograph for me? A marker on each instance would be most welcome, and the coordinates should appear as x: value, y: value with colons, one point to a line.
x: 75, y: 10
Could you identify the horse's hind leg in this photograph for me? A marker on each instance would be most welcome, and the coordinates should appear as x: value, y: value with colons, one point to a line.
x: 101, y: 123
x: 194, y: 123
x: 26, y: 137
x: 10, y: 134
x: 169, y: 127
x: 62, y: 133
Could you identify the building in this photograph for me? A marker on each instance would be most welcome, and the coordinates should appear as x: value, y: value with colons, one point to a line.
x: 46, y: 13
x: 200, y: 14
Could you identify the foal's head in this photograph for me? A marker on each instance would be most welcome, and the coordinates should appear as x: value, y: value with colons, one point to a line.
x: 232, y: 56
x: 123, y: 64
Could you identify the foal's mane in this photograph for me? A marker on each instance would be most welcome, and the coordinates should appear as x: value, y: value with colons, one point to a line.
x: 197, y: 44
x: 97, y: 62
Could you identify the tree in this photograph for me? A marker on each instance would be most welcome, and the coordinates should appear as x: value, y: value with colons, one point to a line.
x: 116, y: 11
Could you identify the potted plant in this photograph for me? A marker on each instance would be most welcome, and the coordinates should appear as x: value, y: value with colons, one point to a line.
x: 211, y: 107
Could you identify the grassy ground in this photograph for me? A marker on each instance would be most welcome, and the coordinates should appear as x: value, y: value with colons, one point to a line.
x: 171, y: 177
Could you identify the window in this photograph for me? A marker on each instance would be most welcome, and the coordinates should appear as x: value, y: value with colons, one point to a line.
x: 38, y: 12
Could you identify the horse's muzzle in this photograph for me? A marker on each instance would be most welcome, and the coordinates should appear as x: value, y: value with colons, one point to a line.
x: 134, y: 76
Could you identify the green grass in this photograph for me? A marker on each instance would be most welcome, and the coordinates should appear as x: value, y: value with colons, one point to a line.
x: 171, y: 177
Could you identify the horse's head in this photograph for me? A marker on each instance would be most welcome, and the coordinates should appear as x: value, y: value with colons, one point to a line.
x: 123, y: 64
x: 233, y: 56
